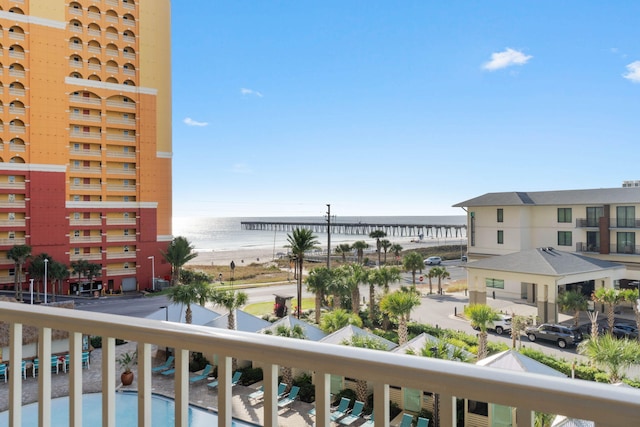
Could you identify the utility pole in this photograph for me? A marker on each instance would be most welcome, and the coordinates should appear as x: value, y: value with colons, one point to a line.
x: 328, y: 236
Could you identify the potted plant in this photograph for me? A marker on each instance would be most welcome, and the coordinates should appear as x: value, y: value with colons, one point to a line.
x: 126, y: 361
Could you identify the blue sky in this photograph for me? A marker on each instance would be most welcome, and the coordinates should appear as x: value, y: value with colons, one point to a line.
x: 398, y: 107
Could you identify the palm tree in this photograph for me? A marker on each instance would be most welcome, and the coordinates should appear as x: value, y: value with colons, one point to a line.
x: 296, y: 332
x: 338, y: 319
x: 92, y: 271
x: 610, y: 298
x: 378, y: 234
x: 518, y: 325
x: 179, y: 252
x: 343, y: 249
x: 482, y: 316
x: 19, y: 254
x: 396, y: 249
x: 633, y: 296
x: 231, y: 300
x: 573, y: 301
x: 36, y: 270
x: 364, y: 341
x: 354, y: 275
x: 79, y: 267
x: 440, y: 273
x: 360, y: 246
x: 185, y: 295
x: 615, y: 355
x: 380, y: 277
x: 301, y: 241
x: 318, y: 281
x: 399, y: 305
x: 385, y: 245
x: 59, y: 273
x: 413, y: 262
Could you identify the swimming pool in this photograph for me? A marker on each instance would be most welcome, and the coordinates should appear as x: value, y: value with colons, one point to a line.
x: 162, y: 412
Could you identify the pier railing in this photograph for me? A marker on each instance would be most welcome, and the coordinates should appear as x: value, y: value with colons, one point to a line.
x: 358, y: 228
x: 604, y: 404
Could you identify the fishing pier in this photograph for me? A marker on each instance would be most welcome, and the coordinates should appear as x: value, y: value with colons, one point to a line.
x: 359, y: 228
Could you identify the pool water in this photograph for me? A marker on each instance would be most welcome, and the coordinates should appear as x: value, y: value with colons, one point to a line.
x: 162, y: 412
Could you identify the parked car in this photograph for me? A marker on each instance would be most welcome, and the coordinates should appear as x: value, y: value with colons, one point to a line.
x: 463, y: 258
x: 433, y: 260
x: 624, y: 330
x: 502, y: 325
x: 560, y: 334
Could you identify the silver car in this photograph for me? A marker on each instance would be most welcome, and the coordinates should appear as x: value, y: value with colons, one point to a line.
x: 433, y: 260
x: 560, y: 334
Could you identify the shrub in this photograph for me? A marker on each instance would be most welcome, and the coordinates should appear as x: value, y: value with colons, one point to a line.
x: 307, y: 389
x: 250, y: 375
x: 346, y: 392
x: 198, y: 362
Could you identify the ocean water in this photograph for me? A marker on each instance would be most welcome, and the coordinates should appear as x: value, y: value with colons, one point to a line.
x: 226, y: 234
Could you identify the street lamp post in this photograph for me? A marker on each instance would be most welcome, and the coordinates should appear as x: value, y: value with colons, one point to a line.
x: 153, y: 272
x: 46, y: 261
x: 166, y: 318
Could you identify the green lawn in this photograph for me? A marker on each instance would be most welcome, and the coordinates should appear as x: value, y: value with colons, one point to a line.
x: 261, y: 308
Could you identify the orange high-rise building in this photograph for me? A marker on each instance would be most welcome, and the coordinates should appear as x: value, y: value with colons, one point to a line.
x: 85, y: 136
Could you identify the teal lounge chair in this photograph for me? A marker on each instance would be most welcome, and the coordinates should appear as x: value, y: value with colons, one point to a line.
x: 205, y: 373
x: 234, y: 380
x: 286, y: 401
x: 3, y: 371
x: 422, y: 422
x: 166, y: 365
x: 341, y: 411
x: 258, y: 394
x: 354, y: 415
x: 169, y: 371
x: 407, y: 420
x: 369, y: 423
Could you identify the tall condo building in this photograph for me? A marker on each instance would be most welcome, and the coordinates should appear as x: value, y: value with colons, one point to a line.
x: 85, y: 137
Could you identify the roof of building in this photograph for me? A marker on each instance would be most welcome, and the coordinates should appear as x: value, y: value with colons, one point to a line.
x: 416, y: 345
x: 177, y: 313
x: 311, y: 332
x: 598, y: 196
x: 511, y: 360
x: 345, y: 334
x: 245, y: 322
x: 544, y: 261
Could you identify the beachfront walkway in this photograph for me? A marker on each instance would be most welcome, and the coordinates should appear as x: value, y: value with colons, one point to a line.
x: 200, y: 394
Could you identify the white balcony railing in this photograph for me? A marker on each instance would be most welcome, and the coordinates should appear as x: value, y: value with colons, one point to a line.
x: 121, y: 221
x: 121, y: 104
x: 86, y: 222
x: 81, y: 152
x: 85, y: 100
x: 121, y: 154
x: 13, y: 72
x: 111, y: 239
x: 602, y: 403
x: 88, y: 257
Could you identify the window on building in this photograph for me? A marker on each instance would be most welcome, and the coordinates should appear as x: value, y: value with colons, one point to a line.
x: 126, y: 265
x: 76, y: 251
x: 76, y: 233
x: 626, y: 216
x: 11, y: 197
x: 76, y: 198
x: 126, y: 231
x: 125, y: 182
x: 500, y: 237
x: 494, y: 283
x: 125, y: 198
x: 626, y: 242
x: 500, y: 215
x: 126, y: 249
x: 478, y: 408
x: 11, y: 179
x: 12, y: 235
x: 594, y: 214
x: 76, y: 215
x: 125, y: 215
x: 564, y: 214
x: 12, y: 272
x: 11, y: 216
x: 564, y: 238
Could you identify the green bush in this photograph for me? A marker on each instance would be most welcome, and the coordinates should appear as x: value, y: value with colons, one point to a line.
x: 307, y: 389
x: 96, y: 342
x: 198, y: 362
x: 250, y: 375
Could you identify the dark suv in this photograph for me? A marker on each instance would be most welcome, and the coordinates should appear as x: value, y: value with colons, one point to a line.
x: 560, y: 334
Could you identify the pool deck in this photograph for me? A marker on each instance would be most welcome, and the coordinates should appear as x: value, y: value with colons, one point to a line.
x: 199, y: 394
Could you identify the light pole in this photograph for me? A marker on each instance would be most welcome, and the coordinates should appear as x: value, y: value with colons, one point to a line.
x: 166, y: 318
x: 153, y: 272
x: 31, y: 289
x: 328, y: 236
x: 46, y: 261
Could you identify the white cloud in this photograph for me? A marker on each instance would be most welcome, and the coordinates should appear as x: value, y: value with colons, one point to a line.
x: 190, y: 122
x: 506, y: 58
x: 241, y: 168
x: 633, y: 73
x: 246, y: 91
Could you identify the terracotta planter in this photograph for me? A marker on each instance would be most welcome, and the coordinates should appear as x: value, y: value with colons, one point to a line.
x: 126, y: 378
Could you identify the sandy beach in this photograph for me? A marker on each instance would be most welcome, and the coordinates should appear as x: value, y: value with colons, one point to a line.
x: 262, y: 255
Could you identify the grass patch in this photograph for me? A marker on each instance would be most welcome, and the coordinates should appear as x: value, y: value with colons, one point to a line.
x: 261, y: 308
